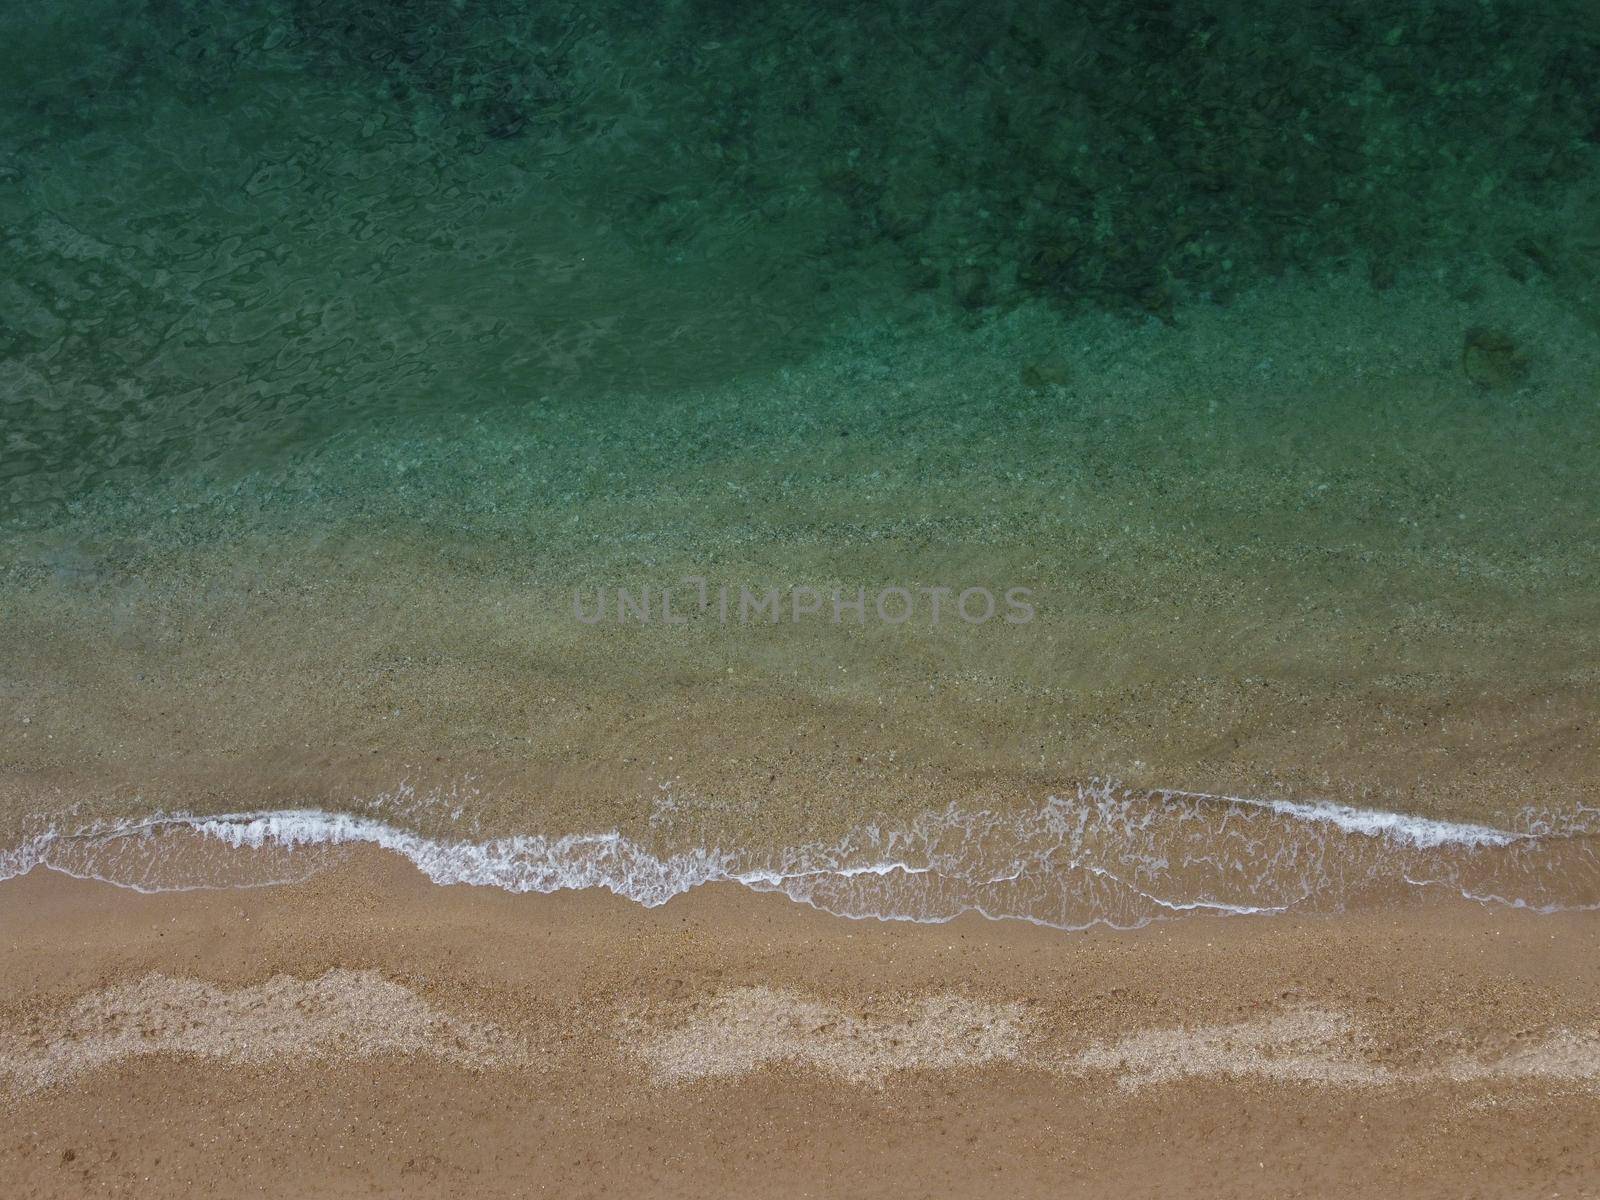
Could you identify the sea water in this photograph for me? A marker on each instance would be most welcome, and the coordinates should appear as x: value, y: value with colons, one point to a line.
x: 339, y: 351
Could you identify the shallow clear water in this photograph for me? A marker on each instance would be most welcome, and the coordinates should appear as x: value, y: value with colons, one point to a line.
x: 1259, y: 348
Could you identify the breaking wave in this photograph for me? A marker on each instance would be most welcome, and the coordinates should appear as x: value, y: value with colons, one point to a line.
x: 1102, y: 855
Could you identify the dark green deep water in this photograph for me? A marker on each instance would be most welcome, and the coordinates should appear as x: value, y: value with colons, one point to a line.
x: 339, y: 341
x: 234, y: 230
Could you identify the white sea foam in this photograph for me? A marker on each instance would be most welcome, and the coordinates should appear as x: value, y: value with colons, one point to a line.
x: 1102, y: 855
x: 1420, y: 832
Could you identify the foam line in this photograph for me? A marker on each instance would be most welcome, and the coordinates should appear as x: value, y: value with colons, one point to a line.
x: 1101, y: 856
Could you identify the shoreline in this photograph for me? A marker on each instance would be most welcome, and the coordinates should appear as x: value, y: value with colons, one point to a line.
x: 520, y: 1043
x: 1096, y: 855
x: 926, y: 600
x: 1286, y: 549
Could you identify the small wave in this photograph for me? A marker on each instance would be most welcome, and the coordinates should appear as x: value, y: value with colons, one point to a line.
x: 1421, y: 832
x: 1102, y: 855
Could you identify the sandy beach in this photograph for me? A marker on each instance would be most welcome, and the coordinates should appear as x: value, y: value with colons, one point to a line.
x: 368, y: 1032
x: 931, y: 599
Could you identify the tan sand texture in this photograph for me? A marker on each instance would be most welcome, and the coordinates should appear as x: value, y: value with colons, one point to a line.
x: 369, y: 1031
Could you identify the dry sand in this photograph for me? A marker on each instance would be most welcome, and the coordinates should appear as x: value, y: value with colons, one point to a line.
x: 367, y: 1032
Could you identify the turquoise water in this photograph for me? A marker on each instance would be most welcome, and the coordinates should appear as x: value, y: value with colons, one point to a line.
x: 340, y: 345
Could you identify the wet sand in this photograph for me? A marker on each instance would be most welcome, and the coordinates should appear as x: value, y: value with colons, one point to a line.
x: 369, y: 1031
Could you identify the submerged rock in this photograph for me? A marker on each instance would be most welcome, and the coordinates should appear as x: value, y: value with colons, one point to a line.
x: 1046, y: 373
x: 1492, y: 359
x: 971, y: 287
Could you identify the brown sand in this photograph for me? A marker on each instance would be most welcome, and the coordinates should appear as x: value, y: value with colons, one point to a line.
x: 369, y: 1033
